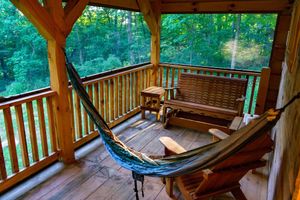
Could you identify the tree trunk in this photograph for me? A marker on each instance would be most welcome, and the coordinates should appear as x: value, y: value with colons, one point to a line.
x: 79, y: 47
x: 129, y: 34
x: 117, y: 35
x: 236, y: 29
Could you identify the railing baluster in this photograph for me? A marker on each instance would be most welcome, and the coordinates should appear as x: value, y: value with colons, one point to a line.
x: 11, y: 140
x: 125, y: 94
x: 106, y: 85
x: 3, y: 174
x: 167, y: 77
x: 22, y: 135
x: 252, y: 94
x: 49, y: 108
x: 116, y: 101
x: 142, y: 80
x: 78, y: 116
x: 132, y: 91
x: 32, y: 132
x: 52, y: 132
x: 90, y: 92
x: 102, y: 99
x: 42, y: 127
x: 148, y: 77
x: 138, y: 91
x: 111, y: 100
x: 173, y: 77
x: 85, y: 122
x: 128, y: 92
x: 121, y: 96
x: 96, y: 96
x: 161, y: 70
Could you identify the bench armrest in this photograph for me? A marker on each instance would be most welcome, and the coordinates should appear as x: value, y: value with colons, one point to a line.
x: 218, y: 134
x: 241, y: 102
x: 171, y: 146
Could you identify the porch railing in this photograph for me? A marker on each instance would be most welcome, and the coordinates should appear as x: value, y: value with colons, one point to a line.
x: 30, y: 142
x: 116, y: 95
x: 168, y: 75
x: 29, y: 139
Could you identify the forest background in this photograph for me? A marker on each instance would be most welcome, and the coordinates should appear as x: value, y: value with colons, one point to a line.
x: 104, y: 39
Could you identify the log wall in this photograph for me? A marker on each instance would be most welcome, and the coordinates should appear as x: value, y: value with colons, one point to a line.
x: 283, y: 181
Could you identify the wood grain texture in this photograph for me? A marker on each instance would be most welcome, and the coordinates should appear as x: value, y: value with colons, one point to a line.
x: 284, y: 179
x: 3, y: 173
x: 22, y: 135
x: 50, y: 112
x: 42, y: 127
x: 51, y: 123
x: 97, y: 176
x: 32, y: 132
x: 11, y: 140
x: 78, y: 117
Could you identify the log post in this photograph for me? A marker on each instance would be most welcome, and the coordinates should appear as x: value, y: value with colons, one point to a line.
x: 54, y: 22
x: 152, y: 16
x: 155, y: 42
x: 62, y: 109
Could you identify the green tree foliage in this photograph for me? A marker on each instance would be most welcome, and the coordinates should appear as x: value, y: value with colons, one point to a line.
x: 208, y: 39
x: 104, y: 39
x: 23, y: 54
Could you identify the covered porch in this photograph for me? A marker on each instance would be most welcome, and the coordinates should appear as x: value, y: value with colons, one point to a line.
x: 65, y: 128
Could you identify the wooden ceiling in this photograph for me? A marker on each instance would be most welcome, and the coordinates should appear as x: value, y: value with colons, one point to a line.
x: 203, y: 6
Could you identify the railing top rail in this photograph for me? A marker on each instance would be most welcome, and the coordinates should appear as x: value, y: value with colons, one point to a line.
x: 211, y: 69
x: 112, y: 74
x: 26, y: 98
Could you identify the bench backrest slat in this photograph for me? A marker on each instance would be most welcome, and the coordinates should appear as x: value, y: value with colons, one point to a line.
x: 211, y: 90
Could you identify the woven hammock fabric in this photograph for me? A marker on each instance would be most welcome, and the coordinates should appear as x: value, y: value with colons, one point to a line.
x: 191, y: 161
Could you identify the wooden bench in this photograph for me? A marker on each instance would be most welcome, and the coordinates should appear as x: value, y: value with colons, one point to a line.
x: 204, y: 101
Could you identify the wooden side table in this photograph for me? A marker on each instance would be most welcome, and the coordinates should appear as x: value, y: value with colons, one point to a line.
x: 151, y: 98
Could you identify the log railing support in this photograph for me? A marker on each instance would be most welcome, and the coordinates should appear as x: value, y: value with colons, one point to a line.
x: 54, y: 22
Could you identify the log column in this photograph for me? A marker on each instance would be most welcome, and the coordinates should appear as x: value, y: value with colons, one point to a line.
x: 152, y: 16
x: 54, y: 22
x: 62, y: 109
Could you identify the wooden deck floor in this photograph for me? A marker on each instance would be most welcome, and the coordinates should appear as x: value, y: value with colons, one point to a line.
x: 96, y: 176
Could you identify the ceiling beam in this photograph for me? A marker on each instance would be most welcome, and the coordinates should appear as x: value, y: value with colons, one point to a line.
x: 40, y: 17
x: 73, y: 10
x: 121, y: 4
x: 218, y: 6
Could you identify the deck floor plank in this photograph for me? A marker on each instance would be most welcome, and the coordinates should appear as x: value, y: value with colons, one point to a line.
x: 98, y: 176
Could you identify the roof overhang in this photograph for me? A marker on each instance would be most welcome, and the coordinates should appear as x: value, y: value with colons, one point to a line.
x: 204, y: 6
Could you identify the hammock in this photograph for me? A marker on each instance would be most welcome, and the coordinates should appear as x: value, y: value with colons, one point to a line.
x: 185, y: 163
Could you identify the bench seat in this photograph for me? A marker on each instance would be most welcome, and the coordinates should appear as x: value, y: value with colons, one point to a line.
x: 201, y: 109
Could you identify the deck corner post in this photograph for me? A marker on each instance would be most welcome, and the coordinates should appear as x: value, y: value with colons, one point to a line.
x: 62, y: 107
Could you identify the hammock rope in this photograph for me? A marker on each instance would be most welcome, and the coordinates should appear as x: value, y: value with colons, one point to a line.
x: 176, y: 165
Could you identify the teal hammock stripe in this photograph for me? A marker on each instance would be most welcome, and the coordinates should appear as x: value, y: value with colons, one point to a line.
x: 191, y: 161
